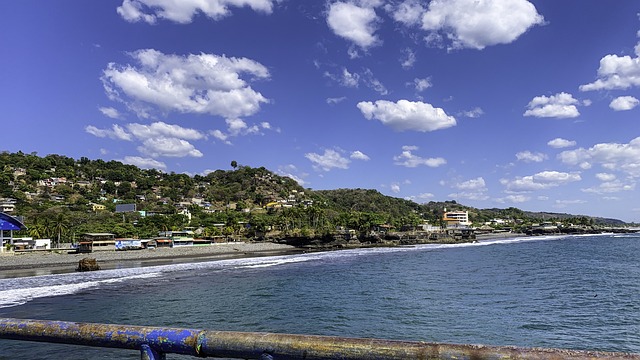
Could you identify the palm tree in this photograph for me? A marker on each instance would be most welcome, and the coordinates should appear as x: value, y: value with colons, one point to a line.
x: 60, y: 225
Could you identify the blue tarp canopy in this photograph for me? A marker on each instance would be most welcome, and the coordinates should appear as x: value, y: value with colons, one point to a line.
x: 8, y: 222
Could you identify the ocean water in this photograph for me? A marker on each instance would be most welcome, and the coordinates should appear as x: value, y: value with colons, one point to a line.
x: 574, y: 292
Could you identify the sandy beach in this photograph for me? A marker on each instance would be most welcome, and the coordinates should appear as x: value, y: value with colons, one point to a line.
x: 43, y: 263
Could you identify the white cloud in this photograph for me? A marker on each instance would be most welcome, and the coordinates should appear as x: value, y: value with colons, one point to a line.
x: 422, y: 84
x: 395, y: 187
x: 157, y: 139
x: 474, y: 189
x: 616, y: 72
x: 374, y: 83
x: 110, y: 112
x: 144, y: 163
x: 564, y: 203
x: 540, y: 181
x: 183, y: 12
x: 473, y: 113
x: 359, y: 155
x: 559, y: 143
x: 331, y: 159
x: 611, y: 156
x: 473, y: 184
x: 476, y: 24
x: 354, y: 79
x: 624, y: 103
x: 408, y: 159
x: 514, y: 199
x: 336, y: 100
x: 161, y: 129
x: 116, y: 132
x: 528, y: 156
x: 409, y: 12
x: 612, y: 186
x: 291, y: 171
x: 201, y: 84
x: 169, y: 147
x: 407, y: 115
x: 605, y: 177
x: 409, y: 58
x: 348, y: 79
x: 354, y: 23
x: 561, y: 105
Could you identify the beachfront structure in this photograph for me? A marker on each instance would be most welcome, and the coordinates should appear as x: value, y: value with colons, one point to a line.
x: 8, y: 224
x: 91, y: 242
x: 178, y: 238
x: 456, y: 218
x: 28, y: 243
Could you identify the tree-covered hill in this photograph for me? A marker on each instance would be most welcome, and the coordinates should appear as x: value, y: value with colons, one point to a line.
x: 62, y: 197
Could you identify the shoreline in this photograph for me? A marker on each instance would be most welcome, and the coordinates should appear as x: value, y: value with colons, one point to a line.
x: 38, y: 263
x: 17, y: 265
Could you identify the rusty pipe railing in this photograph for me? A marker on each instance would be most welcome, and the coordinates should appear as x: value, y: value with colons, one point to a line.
x: 155, y: 342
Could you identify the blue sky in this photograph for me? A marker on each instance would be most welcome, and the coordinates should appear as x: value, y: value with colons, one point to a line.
x: 492, y: 103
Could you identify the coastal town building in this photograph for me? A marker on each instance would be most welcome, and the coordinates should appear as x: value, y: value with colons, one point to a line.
x: 456, y: 218
x: 8, y: 224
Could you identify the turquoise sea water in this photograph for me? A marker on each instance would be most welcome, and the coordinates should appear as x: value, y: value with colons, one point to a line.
x: 577, y: 292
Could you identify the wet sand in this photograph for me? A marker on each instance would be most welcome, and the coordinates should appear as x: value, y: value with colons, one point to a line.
x: 44, y: 263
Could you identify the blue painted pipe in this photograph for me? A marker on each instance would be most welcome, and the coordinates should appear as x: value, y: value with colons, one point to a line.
x: 154, y: 342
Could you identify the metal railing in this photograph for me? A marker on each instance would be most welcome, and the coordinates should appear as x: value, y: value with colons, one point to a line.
x: 155, y: 342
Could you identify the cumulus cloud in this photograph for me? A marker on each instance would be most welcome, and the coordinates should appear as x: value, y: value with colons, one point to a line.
x: 610, y: 184
x: 540, y: 181
x: 474, y: 189
x: 395, y: 187
x: 616, y: 72
x: 473, y: 184
x: 157, y: 139
x: 200, y: 84
x: 422, y: 84
x: 624, y: 103
x: 559, y: 143
x: 354, y: 22
x: 359, y: 155
x: 331, y: 159
x: 473, y: 113
x: 408, y: 12
x: 291, y: 171
x: 183, y: 12
x: 407, y: 115
x: 561, y: 105
x: 611, y: 156
x: 605, y: 177
x: 514, y: 199
x: 161, y: 129
x: 110, y: 112
x: 408, y: 159
x: 238, y: 127
x: 409, y: 58
x: 144, y: 163
x: 116, y: 132
x: 613, y: 186
x: 528, y: 156
x: 471, y: 23
x: 169, y: 147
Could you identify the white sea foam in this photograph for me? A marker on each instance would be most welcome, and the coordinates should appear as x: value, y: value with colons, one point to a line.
x: 13, y: 297
x: 18, y: 291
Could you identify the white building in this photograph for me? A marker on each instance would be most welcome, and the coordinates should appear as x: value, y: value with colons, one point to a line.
x: 456, y: 218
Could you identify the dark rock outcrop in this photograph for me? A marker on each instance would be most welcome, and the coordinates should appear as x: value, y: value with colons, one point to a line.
x: 88, y: 264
